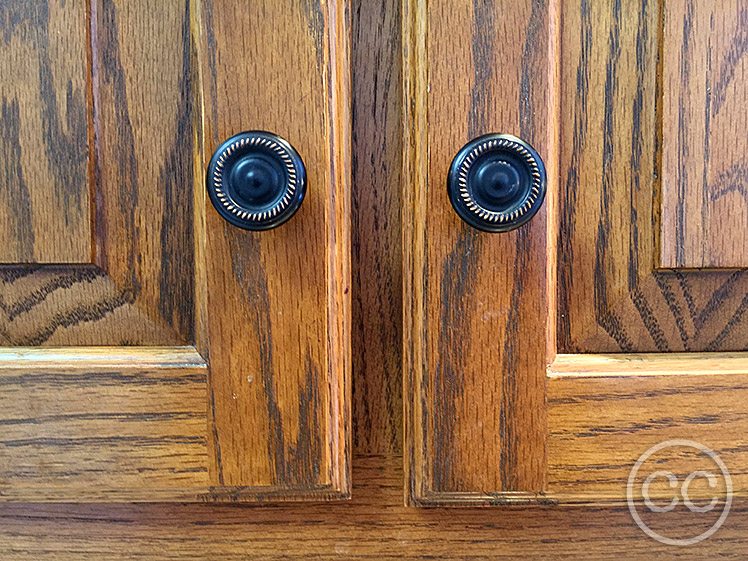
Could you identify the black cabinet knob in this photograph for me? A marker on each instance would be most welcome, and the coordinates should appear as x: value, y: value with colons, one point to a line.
x: 496, y: 182
x: 256, y: 180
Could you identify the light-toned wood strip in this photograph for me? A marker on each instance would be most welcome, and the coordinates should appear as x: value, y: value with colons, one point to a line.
x: 143, y: 169
x: 278, y: 310
x: 704, y: 168
x: 100, y: 358
x: 475, y: 304
x: 692, y: 364
x: 45, y: 214
x: 601, y: 422
x: 103, y: 424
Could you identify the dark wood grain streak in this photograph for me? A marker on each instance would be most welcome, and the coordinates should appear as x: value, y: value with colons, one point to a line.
x: 15, y: 190
x: 177, y: 272
x: 615, y: 298
x: 44, y: 188
x: 474, y: 376
x: 682, y: 147
x: 277, y: 315
x: 375, y: 226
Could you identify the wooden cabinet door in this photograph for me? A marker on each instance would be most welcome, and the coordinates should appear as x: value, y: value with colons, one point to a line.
x: 541, y: 363
x: 151, y: 351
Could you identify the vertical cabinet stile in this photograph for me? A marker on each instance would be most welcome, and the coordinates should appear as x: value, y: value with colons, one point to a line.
x: 475, y: 303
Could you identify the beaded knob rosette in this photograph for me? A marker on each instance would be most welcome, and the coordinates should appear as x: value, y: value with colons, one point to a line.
x: 496, y: 182
x: 256, y: 180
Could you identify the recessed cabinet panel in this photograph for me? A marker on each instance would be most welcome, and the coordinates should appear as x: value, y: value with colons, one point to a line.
x: 705, y: 91
x: 45, y: 202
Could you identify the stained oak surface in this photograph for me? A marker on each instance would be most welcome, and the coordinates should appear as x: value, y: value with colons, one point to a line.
x: 472, y: 388
x: 611, y: 295
x: 705, y: 91
x: 376, y: 324
x: 103, y: 424
x: 268, y: 313
x: 138, y: 286
x: 45, y: 203
x: 107, y: 424
x: 143, y: 124
x: 475, y: 303
x: 606, y: 411
x: 374, y: 525
x: 277, y: 318
x: 617, y: 144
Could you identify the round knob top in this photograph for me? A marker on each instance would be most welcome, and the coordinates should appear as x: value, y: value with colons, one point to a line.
x: 256, y: 180
x: 496, y: 182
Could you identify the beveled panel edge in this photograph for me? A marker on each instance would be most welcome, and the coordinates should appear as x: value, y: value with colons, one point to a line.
x: 647, y: 364
x: 87, y: 358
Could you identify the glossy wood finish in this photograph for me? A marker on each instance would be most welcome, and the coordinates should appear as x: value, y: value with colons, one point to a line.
x: 278, y: 302
x: 376, y: 326
x: 475, y: 304
x: 373, y: 525
x: 471, y: 390
x: 115, y: 423
x: 605, y: 411
x: 141, y: 139
x: 611, y: 297
x: 45, y: 203
x: 143, y: 123
x: 102, y: 424
x: 704, y: 211
x: 271, y: 311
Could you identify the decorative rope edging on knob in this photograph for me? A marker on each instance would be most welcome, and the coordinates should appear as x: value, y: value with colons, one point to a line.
x: 274, y: 153
x: 523, y: 192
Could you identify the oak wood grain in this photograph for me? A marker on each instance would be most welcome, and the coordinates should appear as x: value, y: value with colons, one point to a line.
x: 611, y: 296
x: 272, y: 311
x: 475, y: 304
x: 45, y: 214
x: 704, y: 118
x: 604, y: 412
x: 376, y: 326
x: 102, y: 424
x: 139, y: 289
x: 65, y: 305
x: 278, y: 302
x: 373, y: 525
x: 144, y: 138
